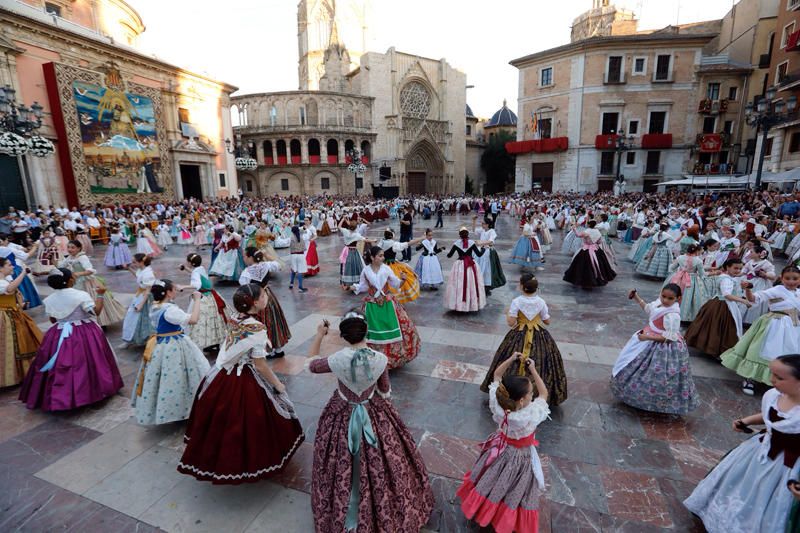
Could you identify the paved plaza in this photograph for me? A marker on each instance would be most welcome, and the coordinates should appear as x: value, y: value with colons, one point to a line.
x: 608, y: 467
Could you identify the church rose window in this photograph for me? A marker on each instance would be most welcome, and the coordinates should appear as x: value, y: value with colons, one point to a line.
x: 415, y: 100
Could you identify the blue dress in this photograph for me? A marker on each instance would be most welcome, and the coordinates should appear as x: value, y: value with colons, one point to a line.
x: 27, y: 288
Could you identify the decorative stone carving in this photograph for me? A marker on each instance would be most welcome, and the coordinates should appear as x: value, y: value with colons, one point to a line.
x: 415, y: 100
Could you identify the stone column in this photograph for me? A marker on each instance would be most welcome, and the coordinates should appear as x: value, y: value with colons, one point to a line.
x: 260, y: 151
x: 274, y: 151
x: 323, y: 150
x: 304, y: 150
x: 777, y: 150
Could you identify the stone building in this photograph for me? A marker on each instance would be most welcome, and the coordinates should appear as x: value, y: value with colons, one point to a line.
x: 127, y: 127
x: 404, y: 112
x: 476, y: 144
x: 585, y: 93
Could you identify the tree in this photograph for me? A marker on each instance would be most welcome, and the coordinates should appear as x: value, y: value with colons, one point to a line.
x: 498, y: 164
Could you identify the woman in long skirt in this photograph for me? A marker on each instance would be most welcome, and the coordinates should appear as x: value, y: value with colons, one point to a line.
x: 351, y: 261
x: 428, y: 268
x: 589, y: 267
x: 18, y: 257
x: 75, y: 365
x: 229, y: 263
x: 489, y: 261
x: 136, y: 327
x: 19, y: 335
x: 118, y: 255
x: 312, y: 258
x: 465, y: 291
x: 687, y: 272
x: 367, y: 473
x: 48, y: 255
x: 86, y: 280
x: 243, y: 426
x: 747, y: 490
x: 297, y: 255
x: 390, y: 329
x: 172, y: 366
x: 527, y: 316
x: 527, y: 251
x: 653, y: 372
x: 656, y: 262
x: 257, y: 271
x: 211, y: 328
x: 409, y: 289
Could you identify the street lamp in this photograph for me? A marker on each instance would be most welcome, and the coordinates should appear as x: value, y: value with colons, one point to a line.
x: 623, y: 144
x: 766, y: 113
x: 356, y: 166
x: 17, y: 125
x: 243, y: 160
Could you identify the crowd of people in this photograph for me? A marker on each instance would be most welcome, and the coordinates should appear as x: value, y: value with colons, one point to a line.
x: 721, y: 295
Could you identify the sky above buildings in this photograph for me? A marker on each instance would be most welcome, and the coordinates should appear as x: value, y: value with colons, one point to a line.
x: 253, y: 43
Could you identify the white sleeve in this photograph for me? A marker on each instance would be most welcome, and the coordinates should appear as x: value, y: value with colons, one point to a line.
x: 513, y: 309
x: 176, y: 315
x: 768, y: 294
x: 196, y: 281
x: 148, y: 279
x: 537, y: 411
x: 726, y: 286
x: 672, y: 326
x: 85, y: 263
x: 87, y: 304
x: 362, y: 285
x: 545, y: 312
x: 494, y: 406
x: 393, y: 280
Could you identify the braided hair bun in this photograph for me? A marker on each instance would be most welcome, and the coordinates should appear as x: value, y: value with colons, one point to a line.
x: 246, y: 297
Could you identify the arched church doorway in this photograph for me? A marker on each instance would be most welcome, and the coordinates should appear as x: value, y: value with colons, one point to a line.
x: 424, y: 169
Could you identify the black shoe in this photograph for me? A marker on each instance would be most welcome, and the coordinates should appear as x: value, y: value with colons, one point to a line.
x: 302, y: 290
x: 275, y: 355
x: 434, y: 288
x: 291, y: 287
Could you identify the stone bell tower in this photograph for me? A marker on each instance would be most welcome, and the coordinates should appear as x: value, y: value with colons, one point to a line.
x: 603, y: 20
x: 320, y: 20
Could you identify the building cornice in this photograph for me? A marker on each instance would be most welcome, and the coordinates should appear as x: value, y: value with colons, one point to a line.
x: 239, y: 97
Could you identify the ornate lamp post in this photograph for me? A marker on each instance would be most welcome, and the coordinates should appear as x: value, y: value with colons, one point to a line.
x: 17, y: 123
x: 243, y: 160
x: 356, y: 166
x: 623, y: 144
x: 766, y: 113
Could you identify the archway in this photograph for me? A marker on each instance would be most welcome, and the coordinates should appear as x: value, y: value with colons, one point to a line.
x: 313, y: 151
x: 424, y: 169
x: 284, y: 184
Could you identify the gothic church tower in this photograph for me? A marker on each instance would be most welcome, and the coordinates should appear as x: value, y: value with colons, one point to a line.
x: 320, y: 20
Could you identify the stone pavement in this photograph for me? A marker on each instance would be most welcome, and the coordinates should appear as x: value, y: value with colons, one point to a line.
x: 607, y: 467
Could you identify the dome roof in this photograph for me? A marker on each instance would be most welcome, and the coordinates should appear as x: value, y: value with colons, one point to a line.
x: 503, y: 117
x: 469, y: 112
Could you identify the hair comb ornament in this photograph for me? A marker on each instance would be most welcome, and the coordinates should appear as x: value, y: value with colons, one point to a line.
x: 159, y: 283
x: 353, y: 314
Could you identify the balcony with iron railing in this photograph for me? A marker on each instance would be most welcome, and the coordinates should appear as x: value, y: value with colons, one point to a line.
x: 708, y: 106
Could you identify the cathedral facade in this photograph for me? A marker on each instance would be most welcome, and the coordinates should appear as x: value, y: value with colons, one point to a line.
x: 403, y: 113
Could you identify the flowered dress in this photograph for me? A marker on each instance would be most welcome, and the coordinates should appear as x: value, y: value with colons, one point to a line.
x: 503, y: 491
x: 241, y: 429
x: 408, y: 291
x: 171, y: 370
x: 388, y: 327
x: 211, y: 327
x: 20, y: 337
x: 272, y: 316
x: 746, y: 491
x: 687, y: 272
x: 656, y: 262
x: 47, y: 256
x: 75, y: 365
x: 656, y: 376
x: 113, y: 311
x: 229, y: 263
x: 367, y: 473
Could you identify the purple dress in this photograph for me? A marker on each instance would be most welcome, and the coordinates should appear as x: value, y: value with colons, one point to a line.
x: 118, y: 254
x: 75, y: 365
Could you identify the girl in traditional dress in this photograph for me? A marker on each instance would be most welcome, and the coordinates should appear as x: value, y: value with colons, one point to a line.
x: 201, y: 234
x: 297, y: 256
x: 604, y: 228
x: 351, y: 261
x: 747, y: 491
x: 61, y: 242
x: 760, y: 272
x: 428, y: 268
x: 172, y: 366
x: 718, y: 324
x: 312, y: 259
x: 48, y: 255
x: 143, y: 244
x: 118, y: 255
x: 409, y: 289
x: 526, y: 317
x: 211, y: 327
x: 656, y: 262
x: 652, y: 371
x: 229, y: 262
x: 489, y: 261
x: 465, y: 291
x: 243, y: 426
x: 18, y: 256
x: 264, y: 239
x: 727, y: 245
x: 589, y: 267
x: 367, y: 473
x: 19, y: 335
x: 136, y: 327
x: 163, y: 237
x: 773, y: 334
x: 185, y: 233
x: 390, y: 329
x: 642, y: 245
x: 85, y: 280
x: 75, y: 365
x: 505, y: 484
x: 257, y: 271
x: 83, y: 237
x: 527, y: 251
x: 687, y: 272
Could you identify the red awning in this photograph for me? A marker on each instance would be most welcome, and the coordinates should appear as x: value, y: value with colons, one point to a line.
x: 555, y: 144
x: 657, y: 140
x: 711, y: 143
x: 606, y: 142
x: 793, y: 41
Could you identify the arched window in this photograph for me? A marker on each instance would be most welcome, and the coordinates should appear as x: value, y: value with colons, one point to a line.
x: 349, y: 145
x: 280, y: 146
x: 236, y: 118
x: 333, y: 151
x: 365, y: 152
x: 268, y: 153
x: 273, y: 116
x: 313, y: 151
x: 294, y: 148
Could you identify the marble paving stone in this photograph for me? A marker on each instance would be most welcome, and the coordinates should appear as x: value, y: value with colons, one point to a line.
x: 573, y: 483
x: 467, y: 339
x: 448, y: 456
x: 706, y: 368
x: 667, y: 428
x: 90, y: 464
x: 102, y: 416
x: 286, y: 510
x: 603, y: 355
x: 174, y: 440
x: 635, y: 497
x: 288, y: 364
x: 297, y: 473
x: 447, y: 515
x: 620, y: 418
x: 198, y: 506
x: 457, y: 371
x: 425, y: 333
x: 14, y: 420
x: 577, y: 412
x: 596, y: 390
x: 573, y: 352
x: 140, y: 483
x: 694, y: 461
x: 674, y: 493
x: 38, y: 447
